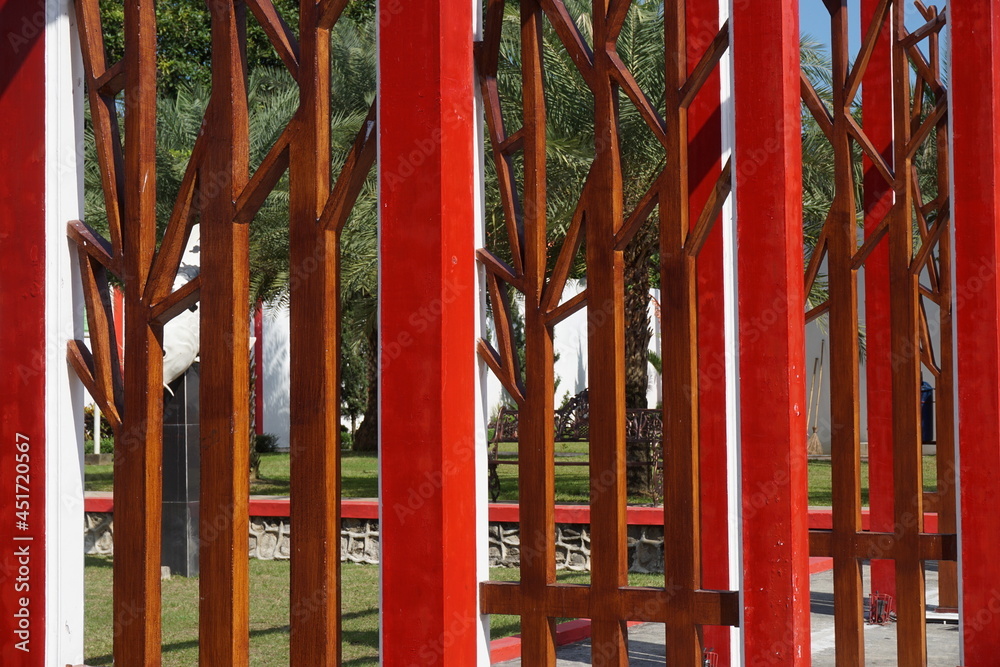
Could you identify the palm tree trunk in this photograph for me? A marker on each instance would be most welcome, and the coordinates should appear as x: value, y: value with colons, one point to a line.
x: 638, y: 259
x: 366, y: 439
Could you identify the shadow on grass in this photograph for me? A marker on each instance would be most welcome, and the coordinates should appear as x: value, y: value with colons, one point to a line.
x: 363, y: 638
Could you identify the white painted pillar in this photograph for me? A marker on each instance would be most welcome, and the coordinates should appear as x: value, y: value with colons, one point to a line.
x: 64, y: 599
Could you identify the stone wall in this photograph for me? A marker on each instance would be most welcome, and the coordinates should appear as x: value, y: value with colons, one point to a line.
x: 269, y: 539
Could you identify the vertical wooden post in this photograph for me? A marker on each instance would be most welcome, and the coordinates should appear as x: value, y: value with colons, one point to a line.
x: 536, y: 487
x: 606, y: 367
x: 908, y: 504
x: 315, y: 362
x: 768, y: 174
x: 844, y: 367
x: 975, y: 90
x: 682, y: 551
x: 225, y: 352
x: 427, y: 329
x: 139, y: 448
x: 877, y: 120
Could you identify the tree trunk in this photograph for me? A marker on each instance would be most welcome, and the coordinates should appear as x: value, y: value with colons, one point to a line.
x: 638, y: 257
x: 366, y: 439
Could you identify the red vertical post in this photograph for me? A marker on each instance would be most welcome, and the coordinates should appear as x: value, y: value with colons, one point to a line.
x: 22, y: 337
x: 975, y: 89
x: 772, y: 333
x: 878, y: 199
x: 705, y: 165
x: 427, y: 309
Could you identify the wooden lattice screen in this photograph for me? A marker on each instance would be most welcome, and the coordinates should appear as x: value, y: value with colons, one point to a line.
x: 906, y: 246
x: 219, y: 193
x: 603, y: 223
x: 906, y: 255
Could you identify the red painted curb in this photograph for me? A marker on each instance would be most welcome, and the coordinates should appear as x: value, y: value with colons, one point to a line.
x: 570, y: 632
x: 367, y: 508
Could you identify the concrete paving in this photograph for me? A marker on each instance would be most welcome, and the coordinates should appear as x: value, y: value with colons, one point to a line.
x: 646, y: 641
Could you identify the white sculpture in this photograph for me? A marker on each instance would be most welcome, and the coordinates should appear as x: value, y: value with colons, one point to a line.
x: 182, y: 334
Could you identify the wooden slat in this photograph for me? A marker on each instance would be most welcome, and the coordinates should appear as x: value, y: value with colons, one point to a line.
x: 536, y: 483
x: 499, y: 268
x: 82, y: 361
x: 867, y: 49
x: 552, y: 294
x: 871, y: 152
x: 107, y: 367
x: 112, y: 81
x: 176, y: 302
x: 817, y: 311
x: 932, y: 27
x: 871, y: 242
x: 281, y: 36
x: 818, y: 255
x: 567, y: 308
x: 679, y: 352
x: 316, y: 333
x: 932, y: 121
x: 634, y: 603
x: 504, y: 325
x: 353, y: 175
x: 488, y: 51
x: 329, y: 12
x: 642, y: 103
x: 616, y: 15
x: 270, y: 171
x: 944, y: 403
x: 705, y: 67
x: 907, y: 460
x: 139, y: 446
x: 711, y: 212
x: 104, y: 118
x: 640, y: 214
x: 492, y: 359
x: 606, y: 365
x: 929, y: 245
x: 868, y: 545
x: 816, y: 106
x: 569, y: 34
x: 175, y: 239
x: 96, y: 246
x: 513, y: 221
x: 224, y: 609
x: 848, y: 586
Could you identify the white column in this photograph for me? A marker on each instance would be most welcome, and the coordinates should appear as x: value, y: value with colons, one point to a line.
x: 63, y: 321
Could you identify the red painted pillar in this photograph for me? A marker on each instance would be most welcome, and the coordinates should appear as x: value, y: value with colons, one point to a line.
x: 975, y: 95
x: 427, y: 134
x: 878, y: 197
x: 772, y: 333
x: 22, y: 340
x: 705, y: 163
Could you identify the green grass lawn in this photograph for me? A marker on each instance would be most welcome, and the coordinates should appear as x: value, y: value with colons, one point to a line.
x: 269, y: 616
x: 360, y: 476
